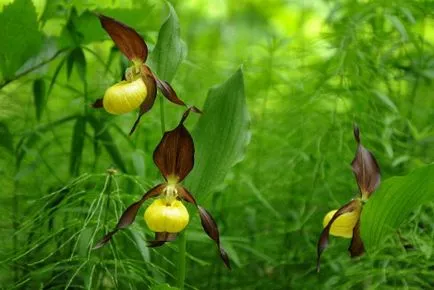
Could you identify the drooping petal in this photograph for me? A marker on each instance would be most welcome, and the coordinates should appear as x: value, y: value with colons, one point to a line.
x: 170, y: 94
x: 356, y: 247
x: 129, y: 215
x: 365, y: 168
x: 151, y: 85
x: 210, y: 227
x: 161, y: 238
x: 208, y: 223
x: 353, y: 205
x: 174, y: 155
x: 127, y: 39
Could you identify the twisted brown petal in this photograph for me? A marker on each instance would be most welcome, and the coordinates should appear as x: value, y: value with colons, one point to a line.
x: 161, y: 239
x: 365, y: 168
x: 174, y: 155
x: 150, y: 82
x: 356, y: 247
x: 170, y: 94
x: 324, y: 237
x: 129, y: 215
x: 208, y: 224
x: 127, y: 39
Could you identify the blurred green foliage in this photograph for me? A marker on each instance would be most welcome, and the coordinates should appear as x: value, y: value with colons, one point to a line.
x: 311, y: 68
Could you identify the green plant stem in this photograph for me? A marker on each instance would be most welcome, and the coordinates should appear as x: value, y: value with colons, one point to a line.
x: 181, y: 264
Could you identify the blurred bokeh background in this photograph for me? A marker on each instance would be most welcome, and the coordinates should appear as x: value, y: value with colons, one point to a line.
x: 312, y: 69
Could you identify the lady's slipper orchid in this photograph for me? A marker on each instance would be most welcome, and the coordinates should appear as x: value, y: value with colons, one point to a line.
x: 167, y: 216
x: 345, y: 221
x: 140, y: 87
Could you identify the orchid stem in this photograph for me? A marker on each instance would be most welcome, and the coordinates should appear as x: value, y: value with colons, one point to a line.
x: 182, y: 245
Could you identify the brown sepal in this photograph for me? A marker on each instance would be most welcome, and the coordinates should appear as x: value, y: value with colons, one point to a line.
x: 211, y: 229
x: 365, y: 168
x: 151, y: 86
x: 324, y: 237
x: 161, y: 238
x: 186, y: 195
x: 356, y: 247
x: 126, y: 38
x: 129, y: 215
x: 174, y: 155
x: 170, y: 94
x: 97, y: 104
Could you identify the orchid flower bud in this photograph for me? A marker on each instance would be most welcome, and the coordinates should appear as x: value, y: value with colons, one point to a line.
x: 125, y: 96
x: 166, y: 216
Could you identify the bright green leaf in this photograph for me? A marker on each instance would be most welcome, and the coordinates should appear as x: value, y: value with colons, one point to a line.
x: 393, y: 202
x: 169, y: 51
x: 221, y: 135
x: 21, y: 39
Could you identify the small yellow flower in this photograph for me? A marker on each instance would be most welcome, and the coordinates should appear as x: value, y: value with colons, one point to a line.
x: 163, y: 216
x: 345, y: 221
x: 125, y: 96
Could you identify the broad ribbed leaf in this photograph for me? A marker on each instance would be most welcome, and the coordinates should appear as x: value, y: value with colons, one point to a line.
x: 169, y: 51
x: 220, y: 136
x: 393, y: 202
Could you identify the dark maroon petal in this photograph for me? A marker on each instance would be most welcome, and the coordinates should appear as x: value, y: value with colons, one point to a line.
x: 127, y: 39
x: 151, y: 86
x: 324, y: 237
x: 365, y: 168
x: 174, y: 155
x: 97, y: 104
x: 356, y: 247
x: 105, y: 239
x: 211, y: 229
x: 170, y: 94
x: 185, y: 195
x: 161, y: 238
x: 130, y: 214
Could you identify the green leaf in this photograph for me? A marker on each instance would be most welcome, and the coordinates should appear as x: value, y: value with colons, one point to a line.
x: 393, y: 202
x: 221, y: 135
x: 170, y: 50
x: 77, y: 145
x: 107, y: 141
x: 163, y: 287
x: 76, y: 57
x: 20, y: 36
x: 6, y: 139
x: 39, y: 97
